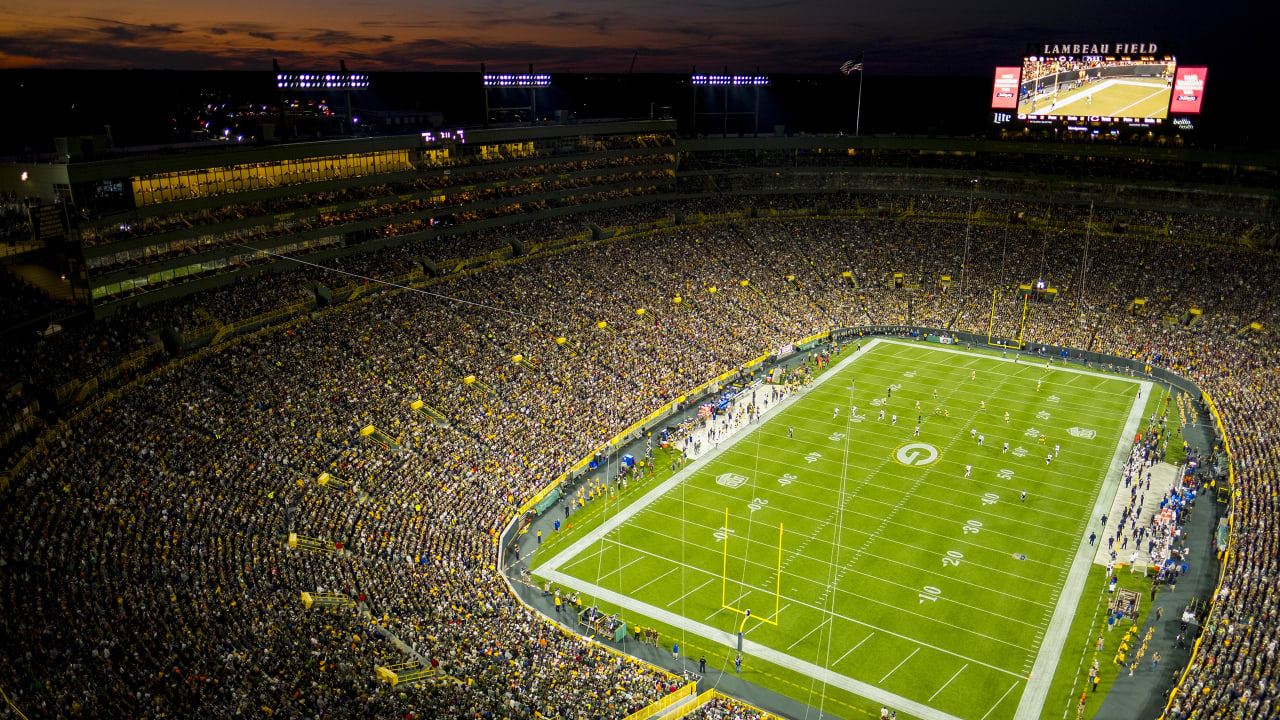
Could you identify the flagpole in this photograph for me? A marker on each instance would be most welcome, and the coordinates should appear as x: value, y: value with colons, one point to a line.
x: 857, y: 128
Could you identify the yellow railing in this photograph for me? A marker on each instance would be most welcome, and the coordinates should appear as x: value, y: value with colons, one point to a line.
x: 657, y: 707
x: 710, y: 695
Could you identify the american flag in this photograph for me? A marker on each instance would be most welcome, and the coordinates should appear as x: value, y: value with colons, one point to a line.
x: 851, y: 66
x: 705, y: 411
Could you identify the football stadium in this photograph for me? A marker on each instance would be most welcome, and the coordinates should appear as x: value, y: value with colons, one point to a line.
x: 629, y: 419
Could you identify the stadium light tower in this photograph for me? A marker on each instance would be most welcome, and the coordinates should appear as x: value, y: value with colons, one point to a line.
x: 343, y: 81
x: 506, y: 81
x: 728, y: 82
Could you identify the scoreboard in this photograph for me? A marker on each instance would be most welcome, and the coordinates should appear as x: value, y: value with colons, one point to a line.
x: 1095, y: 86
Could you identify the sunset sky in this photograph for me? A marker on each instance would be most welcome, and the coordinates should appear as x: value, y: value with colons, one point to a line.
x: 932, y: 37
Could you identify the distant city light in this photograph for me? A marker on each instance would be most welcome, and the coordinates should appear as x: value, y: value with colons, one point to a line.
x: 226, y: 132
x: 730, y: 80
x: 517, y: 80
x: 321, y: 81
x: 239, y: 138
x: 355, y: 119
x: 24, y: 176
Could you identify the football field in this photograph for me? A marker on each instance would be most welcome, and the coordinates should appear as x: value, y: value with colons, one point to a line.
x: 880, y: 567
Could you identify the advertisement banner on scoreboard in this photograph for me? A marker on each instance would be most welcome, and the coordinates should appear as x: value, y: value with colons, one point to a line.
x: 1004, y: 92
x: 1188, y: 90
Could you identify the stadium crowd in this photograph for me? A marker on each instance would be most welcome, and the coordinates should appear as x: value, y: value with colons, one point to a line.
x: 148, y: 571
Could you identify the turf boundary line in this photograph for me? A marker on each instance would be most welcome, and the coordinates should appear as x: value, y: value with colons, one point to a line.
x: 1031, y: 704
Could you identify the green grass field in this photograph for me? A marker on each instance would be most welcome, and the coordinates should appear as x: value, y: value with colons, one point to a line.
x: 1134, y: 97
x: 902, y: 581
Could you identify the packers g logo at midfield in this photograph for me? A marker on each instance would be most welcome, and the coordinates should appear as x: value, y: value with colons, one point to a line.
x: 917, y: 454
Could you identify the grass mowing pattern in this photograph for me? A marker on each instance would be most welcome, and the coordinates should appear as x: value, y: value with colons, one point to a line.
x: 907, y: 577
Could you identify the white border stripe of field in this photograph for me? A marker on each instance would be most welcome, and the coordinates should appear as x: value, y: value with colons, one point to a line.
x: 1037, y: 689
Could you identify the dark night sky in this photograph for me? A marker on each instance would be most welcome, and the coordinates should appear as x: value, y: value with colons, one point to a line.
x: 806, y: 36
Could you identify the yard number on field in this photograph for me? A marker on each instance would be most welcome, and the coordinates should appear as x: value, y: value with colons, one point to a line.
x: 836, y: 436
x: 952, y: 558
x: 930, y: 593
x: 973, y: 526
x: 990, y: 499
x: 786, y: 479
x: 720, y: 534
x: 757, y: 503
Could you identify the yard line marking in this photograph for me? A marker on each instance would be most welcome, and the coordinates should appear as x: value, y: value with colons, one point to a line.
x: 624, y: 567
x: 798, y: 552
x: 889, y: 437
x: 815, y: 629
x: 673, y: 602
x: 855, y: 647
x: 775, y: 617
x: 1002, y: 697
x: 715, y: 575
x: 942, y: 519
x: 945, y: 684
x: 655, y: 580
x: 819, y: 561
x: 904, y: 662
x: 584, y: 558
x: 717, y: 612
x: 927, y: 498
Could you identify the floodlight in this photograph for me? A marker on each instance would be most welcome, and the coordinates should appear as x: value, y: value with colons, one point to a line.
x: 724, y: 80
x: 317, y: 81
x: 520, y: 80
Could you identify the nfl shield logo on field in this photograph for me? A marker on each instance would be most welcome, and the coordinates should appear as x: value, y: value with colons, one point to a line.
x: 731, y: 480
x: 1080, y: 432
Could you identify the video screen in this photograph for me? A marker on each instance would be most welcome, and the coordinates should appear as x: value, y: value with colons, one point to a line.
x: 1096, y: 86
x: 1188, y: 90
x: 1004, y: 92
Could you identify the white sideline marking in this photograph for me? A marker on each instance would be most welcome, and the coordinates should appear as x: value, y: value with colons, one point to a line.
x: 945, y: 684
x: 855, y: 647
x: 815, y: 629
x: 904, y: 662
x: 673, y: 602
